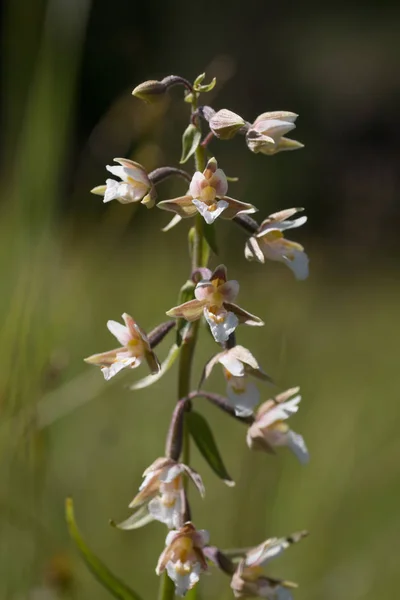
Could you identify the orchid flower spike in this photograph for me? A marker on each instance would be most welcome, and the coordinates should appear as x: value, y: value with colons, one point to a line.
x: 162, y: 490
x: 265, y: 135
x: 214, y: 296
x: 207, y: 195
x: 249, y: 580
x: 269, y: 242
x: 135, y: 348
x: 270, y: 428
x: 183, y: 557
x: 135, y: 185
x: 238, y: 365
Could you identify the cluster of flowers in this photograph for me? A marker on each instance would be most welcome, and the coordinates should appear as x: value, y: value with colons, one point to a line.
x: 162, y: 494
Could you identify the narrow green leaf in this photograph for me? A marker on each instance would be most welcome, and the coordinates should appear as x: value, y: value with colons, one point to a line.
x: 165, y: 366
x: 210, y: 235
x: 205, y: 442
x: 140, y: 518
x: 114, y: 585
x: 190, y: 140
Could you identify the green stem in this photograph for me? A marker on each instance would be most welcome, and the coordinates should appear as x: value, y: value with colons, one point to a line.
x: 167, y: 589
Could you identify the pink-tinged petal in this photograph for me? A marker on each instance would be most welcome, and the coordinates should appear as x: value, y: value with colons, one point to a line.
x: 210, y: 215
x: 103, y: 358
x: 244, y: 402
x: 196, y: 185
x: 181, y: 206
x: 134, y: 170
x: 201, y: 538
x: 121, y: 332
x: 284, y: 396
x: 203, y: 290
x: 257, y: 440
x: 219, y: 272
x: 244, y: 316
x: 229, y: 290
x: 174, y: 221
x: 116, y: 367
x: 191, y: 311
x: 131, y: 327
x: 235, y: 207
x: 252, y: 250
x: 221, y: 324
x: 219, y: 182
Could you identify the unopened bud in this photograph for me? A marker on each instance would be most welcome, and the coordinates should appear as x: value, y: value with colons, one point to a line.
x: 150, y: 91
x: 225, y: 124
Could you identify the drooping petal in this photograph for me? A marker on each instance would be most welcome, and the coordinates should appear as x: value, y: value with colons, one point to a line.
x: 252, y: 250
x: 168, y: 512
x: 243, y: 400
x: 222, y: 324
x: 298, y: 446
x: 121, y: 332
x: 183, y: 581
x: 235, y: 207
x: 181, y: 206
x: 243, y: 316
x: 210, y: 215
x: 232, y: 364
x: 174, y: 221
x: 191, y: 310
x: 196, y: 478
x: 290, y: 253
x: 118, y: 365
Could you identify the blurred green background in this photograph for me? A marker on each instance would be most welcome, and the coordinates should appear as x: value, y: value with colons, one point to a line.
x: 69, y: 263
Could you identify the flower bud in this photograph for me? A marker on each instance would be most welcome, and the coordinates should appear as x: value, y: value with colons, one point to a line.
x: 225, y: 124
x: 149, y: 91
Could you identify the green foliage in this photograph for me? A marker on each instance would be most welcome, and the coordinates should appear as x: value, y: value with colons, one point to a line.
x: 190, y: 140
x: 114, y: 585
x: 204, y: 439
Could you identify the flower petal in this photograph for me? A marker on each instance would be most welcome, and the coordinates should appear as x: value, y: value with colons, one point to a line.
x: 244, y: 402
x: 280, y: 412
x: 118, y: 365
x: 121, y: 332
x: 168, y: 513
x: 191, y: 310
x: 252, y: 250
x: 174, y: 221
x: 298, y: 446
x: 219, y: 182
x: 203, y: 290
x: 210, y: 215
x: 196, y: 478
x: 235, y: 207
x: 243, y: 316
x: 229, y: 290
x: 181, y: 206
x: 222, y: 324
x: 103, y: 358
x: 196, y: 185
